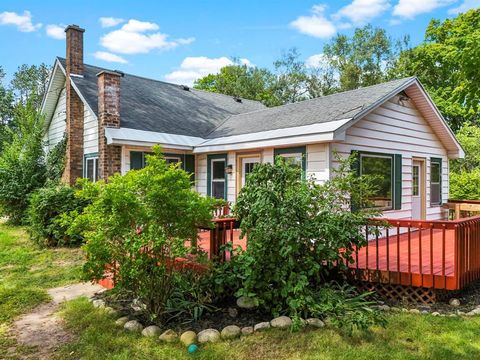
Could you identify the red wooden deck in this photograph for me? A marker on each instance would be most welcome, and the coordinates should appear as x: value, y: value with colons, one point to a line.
x: 420, y: 258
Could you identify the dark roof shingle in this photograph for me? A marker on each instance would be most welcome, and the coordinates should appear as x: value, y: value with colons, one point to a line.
x: 153, y: 105
x: 324, y: 109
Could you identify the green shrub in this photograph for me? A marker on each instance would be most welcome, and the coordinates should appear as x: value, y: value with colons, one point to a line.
x: 140, y: 222
x: 297, y: 232
x: 47, y: 206
x: 465, y: 185
x: 22, y: 164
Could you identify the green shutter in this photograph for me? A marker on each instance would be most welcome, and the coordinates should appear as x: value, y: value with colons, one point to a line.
x: 136, y: 160
x: 397, y: 171
x: 189, y: 165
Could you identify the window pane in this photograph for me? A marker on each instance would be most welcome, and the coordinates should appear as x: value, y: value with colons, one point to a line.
x: 381, y: 169
x: 416, y: 181
x: 90, y: 166
x: 218, y: 169
x: 435, y: 172
x: 435, y: 193
x: 294, y: 159
x: 172, y: 160
x: 218, y: 189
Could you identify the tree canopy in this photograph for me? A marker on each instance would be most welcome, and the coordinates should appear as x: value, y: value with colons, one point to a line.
x: 448, y: 64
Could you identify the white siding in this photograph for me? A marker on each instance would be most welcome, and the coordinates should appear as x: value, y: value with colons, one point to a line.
x: 90, y: 132
x: 399, y: 129
x: 318, y: 162
x: 56, y: 129
x: 317, y: 167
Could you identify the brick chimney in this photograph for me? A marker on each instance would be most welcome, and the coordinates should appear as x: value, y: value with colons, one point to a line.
x: 74, y: 106
x: 109, y: 156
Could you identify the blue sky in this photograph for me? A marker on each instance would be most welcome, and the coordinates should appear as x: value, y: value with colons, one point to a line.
x: 180, y: 40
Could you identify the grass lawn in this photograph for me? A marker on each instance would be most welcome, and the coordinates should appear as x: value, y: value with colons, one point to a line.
x: 407, y: 336
x: 26, y: 272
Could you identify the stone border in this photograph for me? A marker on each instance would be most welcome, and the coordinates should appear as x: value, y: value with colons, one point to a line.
x: 229, y: 332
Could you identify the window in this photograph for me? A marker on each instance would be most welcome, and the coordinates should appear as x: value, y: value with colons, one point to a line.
x: 138, y: 160
x: 217, y: 176
x: 416, y: 180
x: 380, y: 167
x: 218, y: 179
x: 435, y: 181
x: 90, y: 169
x: 295, y: 156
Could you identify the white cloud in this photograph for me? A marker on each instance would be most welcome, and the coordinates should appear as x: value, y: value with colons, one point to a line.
x: 132, y: 38
x: 55, y: 31
x: 316, y: 61
x: 22, y: 22
x: 193, y: 68
x: 106, y: 22
x: 360, y: 12
x: 316, y: 24
x: 109, y: 57
x: 464, y: 7
x: 410, y: 8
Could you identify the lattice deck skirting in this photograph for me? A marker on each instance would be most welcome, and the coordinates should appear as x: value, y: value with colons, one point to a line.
x: 402, y: 293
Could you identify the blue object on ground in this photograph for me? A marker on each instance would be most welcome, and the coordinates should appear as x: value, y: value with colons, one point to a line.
x: 192, y: 348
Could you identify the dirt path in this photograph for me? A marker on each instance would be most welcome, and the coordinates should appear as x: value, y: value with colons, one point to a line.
x: 41, y: 328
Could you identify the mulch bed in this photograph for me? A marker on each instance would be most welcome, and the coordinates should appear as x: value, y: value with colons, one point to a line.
x: 217, y: 319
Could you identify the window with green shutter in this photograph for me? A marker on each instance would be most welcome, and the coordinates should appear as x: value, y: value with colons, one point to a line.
x: 387, y: 172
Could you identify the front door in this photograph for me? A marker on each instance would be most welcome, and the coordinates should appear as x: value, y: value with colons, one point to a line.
x: 418, y: 190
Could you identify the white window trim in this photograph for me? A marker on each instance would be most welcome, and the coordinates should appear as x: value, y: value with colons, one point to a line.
x: 217, y: 180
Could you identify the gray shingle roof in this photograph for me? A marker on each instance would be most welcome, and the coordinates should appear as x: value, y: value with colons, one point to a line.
x: 324, y: 109
x: 153, y: 105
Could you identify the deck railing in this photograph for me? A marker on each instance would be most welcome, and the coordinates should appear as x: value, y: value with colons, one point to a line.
x: 430, y: 254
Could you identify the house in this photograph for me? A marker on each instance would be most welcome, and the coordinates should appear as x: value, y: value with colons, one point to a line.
x: 112, y: 119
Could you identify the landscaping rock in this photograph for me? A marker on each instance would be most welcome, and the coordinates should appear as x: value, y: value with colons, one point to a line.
x: 230, y: 332
x: 137, y: 305
x: 453, y: 315
x: 454, y: 302
x: 414, y: 311
x: 261, y: 326
x: 151, y: 331
x: 110, y: 310
x: 245, y: 302
x: 314, y: 322
x: 188, y: 338
x: 121, y: 321
x: 98, y: 303
x: 133, y: 325
x: 395, y: 309
x: 232, y: 312
x: 474, y: 312
x: 383, y: 308
x: 208, y: 335
x: 247, y: 330
x: 436, y: 313
x: 281, y: 322
x: 169, y: 336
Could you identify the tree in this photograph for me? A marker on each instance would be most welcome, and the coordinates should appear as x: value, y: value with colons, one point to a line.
x: 22, y: 165
x: 6, y: 108
x: 242, y: 81
x: 448, y: 64
x: 30, y: 83
x: 364, y: 59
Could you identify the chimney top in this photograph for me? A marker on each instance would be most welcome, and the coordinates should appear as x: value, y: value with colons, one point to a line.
x: 74, y: 27
x: 110, y: 72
